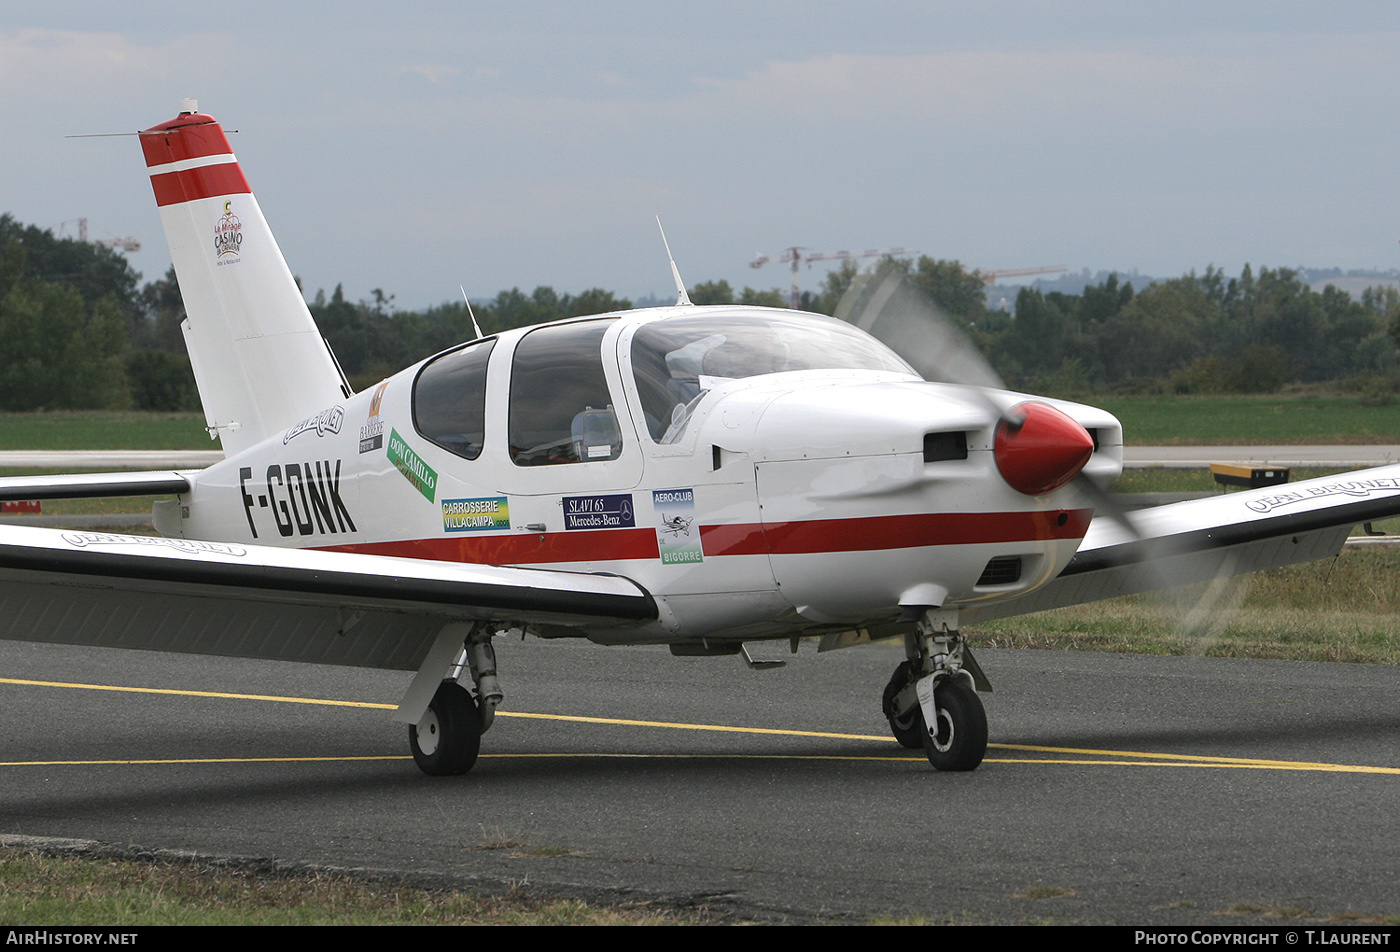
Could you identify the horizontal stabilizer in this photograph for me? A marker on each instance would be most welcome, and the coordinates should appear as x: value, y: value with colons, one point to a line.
x: 92, y: 486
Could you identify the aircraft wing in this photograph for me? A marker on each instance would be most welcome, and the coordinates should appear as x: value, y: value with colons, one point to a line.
x: 247, y: 601
x: 1202, y: 539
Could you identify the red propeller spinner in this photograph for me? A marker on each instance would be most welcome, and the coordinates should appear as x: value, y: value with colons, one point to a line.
x: 1042, y: 452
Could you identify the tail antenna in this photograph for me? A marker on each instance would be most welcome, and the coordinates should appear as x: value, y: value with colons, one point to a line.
x: 470, y: 313
x: 682, y: 297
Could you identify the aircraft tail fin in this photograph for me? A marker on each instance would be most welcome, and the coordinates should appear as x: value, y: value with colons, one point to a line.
x: 259, y: 359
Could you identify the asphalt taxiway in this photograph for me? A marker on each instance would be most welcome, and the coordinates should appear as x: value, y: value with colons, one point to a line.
x: 1126, y: 789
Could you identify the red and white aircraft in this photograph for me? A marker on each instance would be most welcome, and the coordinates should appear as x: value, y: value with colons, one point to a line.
x: 698, y: 477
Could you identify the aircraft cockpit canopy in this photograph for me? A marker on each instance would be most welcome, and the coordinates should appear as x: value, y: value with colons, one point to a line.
x: 561, y: 410
x: 675, y: 361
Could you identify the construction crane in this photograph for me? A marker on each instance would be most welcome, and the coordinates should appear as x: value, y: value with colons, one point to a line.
x: 796, y: 256
x: 990, y: 277
x: 124, y: 244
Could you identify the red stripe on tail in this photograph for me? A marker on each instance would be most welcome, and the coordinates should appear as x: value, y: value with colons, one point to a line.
x: 172, y: 188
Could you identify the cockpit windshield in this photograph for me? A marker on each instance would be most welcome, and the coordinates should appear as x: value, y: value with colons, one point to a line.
x: 676, y: 360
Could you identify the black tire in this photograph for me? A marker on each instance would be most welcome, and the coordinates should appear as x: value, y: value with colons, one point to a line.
x: 452, y: 733
x: 960, y: 742
x: 909, y: 729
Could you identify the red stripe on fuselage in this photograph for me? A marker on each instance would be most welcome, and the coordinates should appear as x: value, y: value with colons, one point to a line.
x: 897, y: 532
x: 786, y: 538
x: 172, y: 188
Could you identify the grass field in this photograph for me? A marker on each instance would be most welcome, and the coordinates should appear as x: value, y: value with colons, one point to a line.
x: 1252, y: 419
x: 1147, y: 421
x: 93, y: 430
x: 1342, y: 610
x: 48, y: 891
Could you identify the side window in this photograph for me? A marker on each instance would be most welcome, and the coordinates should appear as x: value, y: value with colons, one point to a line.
x: 560, y: 408
x: 449, y: 399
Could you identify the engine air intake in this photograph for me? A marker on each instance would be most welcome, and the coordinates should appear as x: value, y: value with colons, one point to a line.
x: 945, y: 446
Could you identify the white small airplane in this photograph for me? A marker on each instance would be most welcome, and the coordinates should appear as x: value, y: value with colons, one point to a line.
x: 698, y: 477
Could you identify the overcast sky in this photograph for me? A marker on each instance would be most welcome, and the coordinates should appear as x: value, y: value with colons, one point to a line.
x: 418, y: 146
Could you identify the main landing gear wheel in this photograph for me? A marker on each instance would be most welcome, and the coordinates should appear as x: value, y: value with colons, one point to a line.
x: 960, y: 740
x: 448, y: 738
x: 909, y: 729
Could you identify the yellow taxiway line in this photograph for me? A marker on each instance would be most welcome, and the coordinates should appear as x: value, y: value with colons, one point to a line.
x: 1120, y: 758
x: 219, y: 694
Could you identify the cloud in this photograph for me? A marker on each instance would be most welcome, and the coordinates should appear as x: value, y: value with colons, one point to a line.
x: 986, y: 87
x: 1055, y: 146
x: 968, y: 92
x: 436, y: 73
x: 40, y: 62
x: 615, y: 80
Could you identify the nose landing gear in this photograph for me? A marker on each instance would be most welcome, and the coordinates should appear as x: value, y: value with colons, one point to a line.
x: 930, y: 700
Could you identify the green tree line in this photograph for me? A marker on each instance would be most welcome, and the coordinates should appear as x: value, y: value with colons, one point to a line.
x: 78, y: 329
x: 1197, y: 334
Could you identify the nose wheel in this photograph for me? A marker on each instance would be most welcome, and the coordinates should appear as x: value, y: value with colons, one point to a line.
x: 958, y: 740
